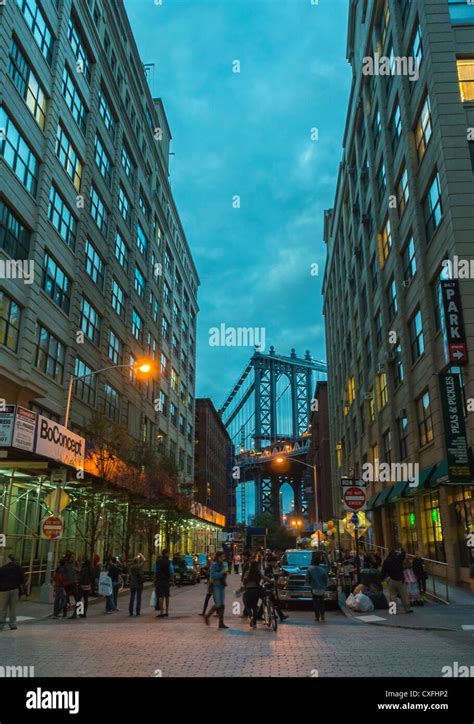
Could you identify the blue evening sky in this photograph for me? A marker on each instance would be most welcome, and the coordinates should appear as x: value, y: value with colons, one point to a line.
x: 249, y: 134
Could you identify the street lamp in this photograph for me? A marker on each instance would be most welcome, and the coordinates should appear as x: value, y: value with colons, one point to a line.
x: 280, y: 459
x: 144, y: 367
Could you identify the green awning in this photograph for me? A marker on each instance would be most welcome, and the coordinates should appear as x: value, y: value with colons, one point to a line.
x: 423, y: 483
x: 442, y: 471
x: 371, y: 502
x: 383, y: 496
x: 397, y: 491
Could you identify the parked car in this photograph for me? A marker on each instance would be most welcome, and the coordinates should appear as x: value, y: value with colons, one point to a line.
x: 290, y: 573
x: 185, y: 570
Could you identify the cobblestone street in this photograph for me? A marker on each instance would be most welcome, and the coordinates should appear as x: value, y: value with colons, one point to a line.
x: 115, y: 645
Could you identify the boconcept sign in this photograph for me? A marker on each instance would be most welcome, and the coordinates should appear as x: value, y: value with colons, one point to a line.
x: 57, y: 442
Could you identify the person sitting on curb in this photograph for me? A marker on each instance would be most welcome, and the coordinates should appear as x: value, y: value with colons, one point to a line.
x: 392, y: 569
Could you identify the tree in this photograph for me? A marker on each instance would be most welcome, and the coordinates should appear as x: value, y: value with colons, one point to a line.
x: 278, y: 537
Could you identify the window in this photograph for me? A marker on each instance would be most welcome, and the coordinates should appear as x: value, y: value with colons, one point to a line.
x: 381, y: 180
x: 142, y: 241
x: 466, y: 78
x: 114, y: 348
x: 174, y: 380
x: 137, y: 326
x: 10, y: 316
x: 378, y: 328
x: 461, y: 12
x: 376, y: 126
x: 126, y: 161
x: 94, y: 264
x: 432, y: 207
x: 98, y: 211
x: 79, y: 49
x: 50, y: 354
x: 392, y: 299
x: 431, y: 528
x: 175, y: 345
x: 17, y: 154
x: 68, y: 157
x: 56, y: 283
x: 118, y: 298
x: 387, y: 447
x: 144, y: 205
x: 154, y: 307
x: 74, y: 100
x: 399, y: 372
x: 90, y: 321
x: 37, y: 23
x: 27, y: 83
x: 62, y: 218
x: 103, y: 161
x: 425, y: 421
x: 384, y: 21
x: 409, y: 260
x: 385, y: 241
x: 416, y: 50
x: 163, y: 404
x: 164, y: 365
x: 382, y: 390
x: 403, y: 191
x: 165, y: 329
x: 168, y: 261
x: 111, y: 402
x: 85, y: 387
x: 403, y: 436
x: 106, y: 112
x: 417, y: 340
x: 166, y: 294
x: 423, y: 129
x: 395, y: 126
x: 139, y: 282
x: 173, y: 415
x: 121, y: 251
x: 124, y: 206
x: 374, y: 277
x: 14, y: 237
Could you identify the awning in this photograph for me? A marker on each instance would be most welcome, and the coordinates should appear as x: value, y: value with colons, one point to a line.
x: 383, y: 497
x: 371, y: 501
x: 397, y: 491
x: 423, y: 483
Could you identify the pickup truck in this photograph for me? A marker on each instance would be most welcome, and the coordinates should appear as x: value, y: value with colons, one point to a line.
x: 290, y: 575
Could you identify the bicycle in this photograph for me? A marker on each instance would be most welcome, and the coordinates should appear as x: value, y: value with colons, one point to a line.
x: 269, y: 613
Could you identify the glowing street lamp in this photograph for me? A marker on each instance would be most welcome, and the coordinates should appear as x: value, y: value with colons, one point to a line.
x: 142, y: 367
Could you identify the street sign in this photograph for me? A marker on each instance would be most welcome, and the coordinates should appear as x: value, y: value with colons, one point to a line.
x: 453, y: 323
x: 52, y: 527
x: 354, y: 494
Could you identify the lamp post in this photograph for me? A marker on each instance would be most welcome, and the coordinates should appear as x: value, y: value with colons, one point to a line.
x: 143, y: 366
x: 281, y: 459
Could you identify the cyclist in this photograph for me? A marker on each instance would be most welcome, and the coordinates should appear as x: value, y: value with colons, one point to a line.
x: 273, y: 595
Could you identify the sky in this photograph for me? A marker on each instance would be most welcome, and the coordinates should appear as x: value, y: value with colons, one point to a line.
x: 249, y: 134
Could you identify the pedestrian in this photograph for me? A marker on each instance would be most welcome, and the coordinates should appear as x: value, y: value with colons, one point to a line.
x: 229, y: 559
x: 218, y: 579
x: 114, y: 572
x: 246, y: 557
x: 86, y: 578
x: 12, y: 582
x: 420, y: 573
x: 208, y: 596
x: 251, y: 581
x: 60, y: 596
x: 317, y: 577
x: 136, y: 584
x: 163, y: 572
x: 106, y: 589
x: 237, y: 560
x: 392, y: 569
x: 71, y: 573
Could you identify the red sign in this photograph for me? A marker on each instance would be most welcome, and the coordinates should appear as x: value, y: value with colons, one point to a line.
x: 52, y: 527
x: 354, y: 497
x: 458, y: 353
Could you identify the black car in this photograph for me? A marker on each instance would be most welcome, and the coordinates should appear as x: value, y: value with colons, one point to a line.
x: 290, y: 574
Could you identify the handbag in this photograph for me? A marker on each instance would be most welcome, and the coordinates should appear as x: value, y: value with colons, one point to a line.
x: 153, y: 599
x: 105, y: 584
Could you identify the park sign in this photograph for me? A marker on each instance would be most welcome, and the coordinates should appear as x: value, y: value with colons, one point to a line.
x: 454, y: 429
x: 453, y: 323
x: 354, y: 494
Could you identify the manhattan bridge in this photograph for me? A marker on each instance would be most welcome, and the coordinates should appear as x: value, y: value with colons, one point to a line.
x: 267, y: 415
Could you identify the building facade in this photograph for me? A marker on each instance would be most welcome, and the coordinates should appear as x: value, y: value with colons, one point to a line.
x: 212, y: 458
x: 87, y: 210
x: 319, y: 454
x: 404, y: 206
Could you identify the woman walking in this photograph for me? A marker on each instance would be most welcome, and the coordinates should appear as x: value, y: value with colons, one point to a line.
x: 218, y: 579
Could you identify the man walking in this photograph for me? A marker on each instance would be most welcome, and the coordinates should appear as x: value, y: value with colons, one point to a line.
x: 163, y: 571
x: 12, y: 580
x: 392, y: 569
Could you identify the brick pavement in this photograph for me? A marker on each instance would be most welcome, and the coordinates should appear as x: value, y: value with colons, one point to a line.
x: 182, y: 646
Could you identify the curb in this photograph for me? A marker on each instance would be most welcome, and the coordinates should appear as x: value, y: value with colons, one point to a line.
x: 350, y: 614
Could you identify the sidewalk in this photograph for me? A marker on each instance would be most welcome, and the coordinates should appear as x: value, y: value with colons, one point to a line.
x: 432, y: 616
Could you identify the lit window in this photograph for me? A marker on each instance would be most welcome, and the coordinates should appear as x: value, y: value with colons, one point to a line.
x: 466, y: 78
x: 423, y: 129
x: 385, y: 242
x: 27, y: 83
x: 10, y: 316
x: 68, y: 157
x: 403, y: 191
x: 425, y: 421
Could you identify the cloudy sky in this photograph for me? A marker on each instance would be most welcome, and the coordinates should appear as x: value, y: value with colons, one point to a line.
x: 248, y: 134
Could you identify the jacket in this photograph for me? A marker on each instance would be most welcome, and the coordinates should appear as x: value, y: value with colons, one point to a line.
x: 392, y: 567
x: 317, y: 577
x: 11, y: 577
x: 218, y: 574
x: 136, y: 577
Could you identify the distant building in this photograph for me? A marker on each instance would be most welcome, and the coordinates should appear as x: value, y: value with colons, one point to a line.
x: 212, y: 462
x: 320, y: 454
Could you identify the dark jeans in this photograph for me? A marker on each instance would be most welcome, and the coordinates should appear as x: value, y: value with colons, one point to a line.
x: 318, y: 606
x: 59, y: 601
x: 206, y: 602
x: 421, y: 584
x: 252, y: 596
x: 138, y: 593
x: 116, y: 588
